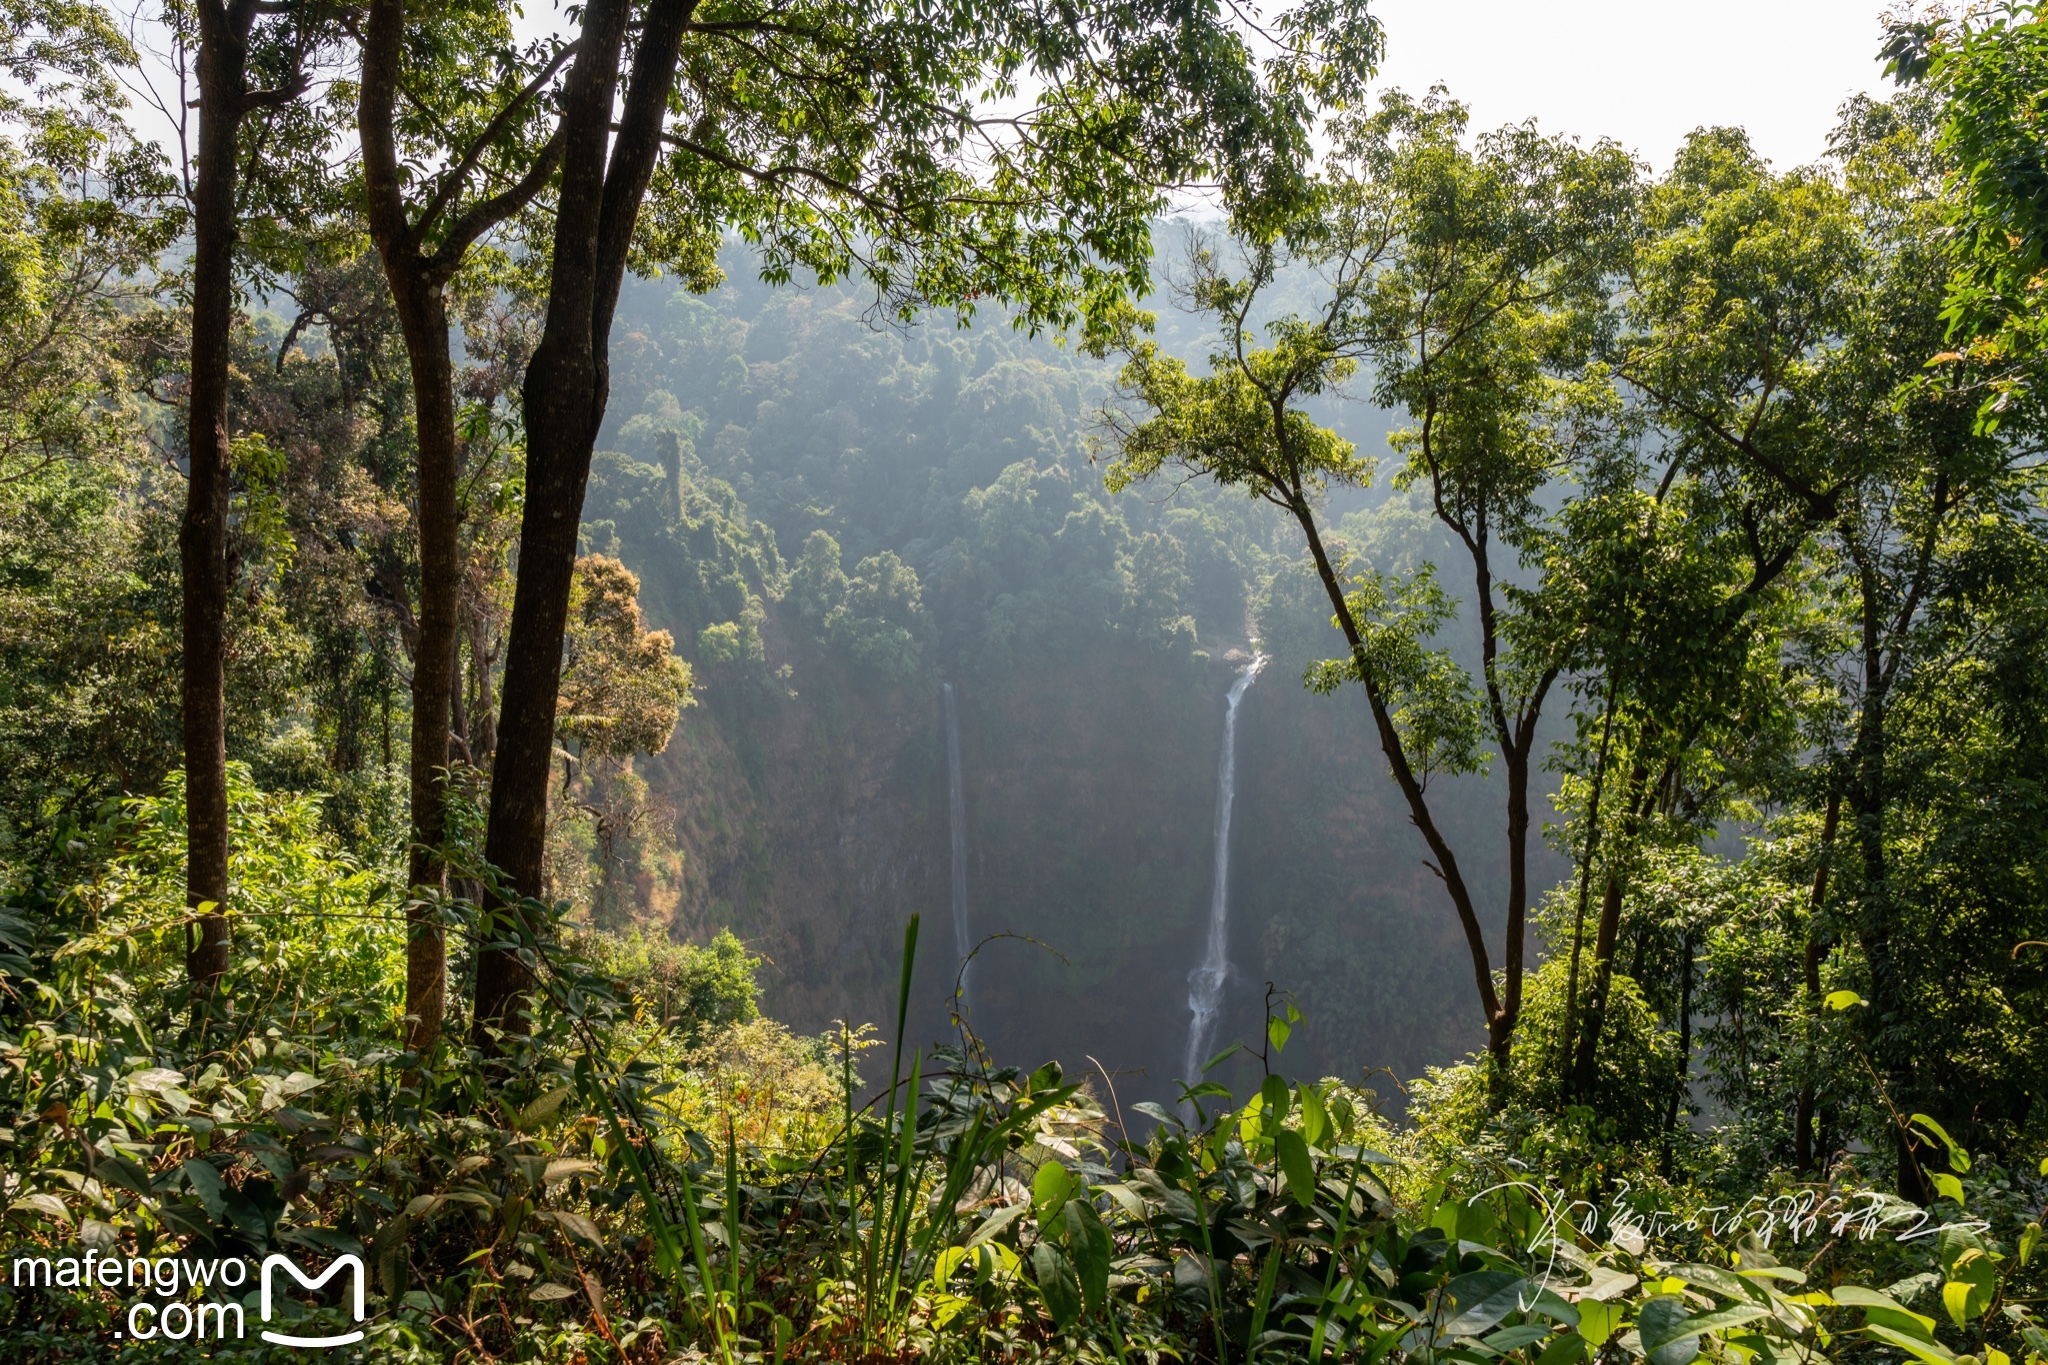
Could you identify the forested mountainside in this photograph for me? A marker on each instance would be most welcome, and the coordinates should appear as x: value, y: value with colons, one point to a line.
x: 836, y: 519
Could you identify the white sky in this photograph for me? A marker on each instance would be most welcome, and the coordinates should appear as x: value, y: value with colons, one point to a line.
x: 1644, y: 73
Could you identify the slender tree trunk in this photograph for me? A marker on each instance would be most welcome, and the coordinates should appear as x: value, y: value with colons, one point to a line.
x: 483, y: 725
x: 1868, y: 798
x: 419, y: 296
x: 1874, y: 930
x: 564, y: 394
x: 1585, y: 1065
x: 1684, y: 1052
x: 458, y: 703
x: 1592, y: 842
x: 424, y: 319
x: 418, y: 277
x: 1804, y: 1153
x: 203, y: 535
x: 1499, y: 1031
x: 1513, y: 946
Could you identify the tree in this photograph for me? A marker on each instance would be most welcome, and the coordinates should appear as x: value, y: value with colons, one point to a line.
x: 82, y: 630
x: 1738, y: 295
x: 622, y: 686
x: 1929, y: 487
x: 252, y: 59
x: 847, y: 138
x: 484, y: 114
x: 1463, y: 276
x: 1988, y: 70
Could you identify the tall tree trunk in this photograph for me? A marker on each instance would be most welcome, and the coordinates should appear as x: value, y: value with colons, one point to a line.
x: 1804, y: 1153
x: 1684, y: 1054
x: 420, y: 298
x: 222, y: 72
x: 424, y: 320
x: 564, y: 394
x: 418, y: 275
x: 1499, y: 1027
x: 1868, y: 798
x: 1592, y: 842
x: 1585, y: 1064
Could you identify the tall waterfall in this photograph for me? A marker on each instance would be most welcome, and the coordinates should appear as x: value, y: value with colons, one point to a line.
x: 1205, y: 983
x: 957, y: 810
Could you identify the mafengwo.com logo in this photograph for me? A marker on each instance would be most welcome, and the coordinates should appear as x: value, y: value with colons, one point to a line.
x: 196, y: 1300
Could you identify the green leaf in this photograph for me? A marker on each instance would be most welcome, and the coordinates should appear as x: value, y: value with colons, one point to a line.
x: 1955, y: 1296
x: 1090, y: 1246
x: 2029, y: 1239
x: 1724, y: 1282
x: 1295, y: 1165
x: 542, y: 1108
x: 1721, y: 1319
x: 1277, y: 1032
x: 1669, y: 1337
x: 1483, y: 1298
x: 119, y: 1170
x: 1843, y: 1000
x: 1049, y: 1190
x: 206, y: 1183
x: 1568, y: 1349
x: 1273, y: 1093
x: 1597, y: 1321
x: 1957, y: 1157
x: 1315, y: 1120
x: 1057, y: 1283
x: 996, y: 1222
x: 1931, y: 1352
x: 1947, y: 1186
x: 1882, y: 1310
x: 1515, y: 1338
x: 1220, y: 1058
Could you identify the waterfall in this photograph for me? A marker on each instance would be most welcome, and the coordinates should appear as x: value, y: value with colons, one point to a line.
x: 957, y: 810
x: 1205, y: 983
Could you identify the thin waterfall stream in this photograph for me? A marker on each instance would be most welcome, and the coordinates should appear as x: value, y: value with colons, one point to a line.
x: 1205, y: 982
x: 956, y: 807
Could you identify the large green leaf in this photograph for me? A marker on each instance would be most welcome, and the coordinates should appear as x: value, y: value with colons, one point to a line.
x: 1295, y: 1165
x: 1931, y: 1352
x: 1057, y: 1283
x: 1721, y: 1319
x: 1049, y: 1190
x: 1881, y: 1310
x: 1479, y: 1300
x: 1091, y: 1248
x: 1669, y: 1336
x: 1724, y: 1282
x: 1598, y: 1321
x: 1276, y: 1099
x: 1515, y: 1338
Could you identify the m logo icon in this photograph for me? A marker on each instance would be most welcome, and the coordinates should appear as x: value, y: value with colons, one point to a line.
x: 353, y: 1263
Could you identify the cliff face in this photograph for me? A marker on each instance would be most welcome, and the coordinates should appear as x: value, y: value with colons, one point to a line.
x: 836, y: 520
x: 816, y: 825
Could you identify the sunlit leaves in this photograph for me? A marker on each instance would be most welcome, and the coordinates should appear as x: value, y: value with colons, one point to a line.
x: 622, y: 686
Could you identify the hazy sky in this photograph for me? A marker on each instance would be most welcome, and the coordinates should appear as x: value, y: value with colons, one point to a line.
x: 1644, y: 73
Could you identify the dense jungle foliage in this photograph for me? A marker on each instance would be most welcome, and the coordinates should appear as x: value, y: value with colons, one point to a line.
x: 437, y: 676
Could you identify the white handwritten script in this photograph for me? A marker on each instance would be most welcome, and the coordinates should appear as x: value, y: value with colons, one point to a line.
x: 1794, y: 1217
